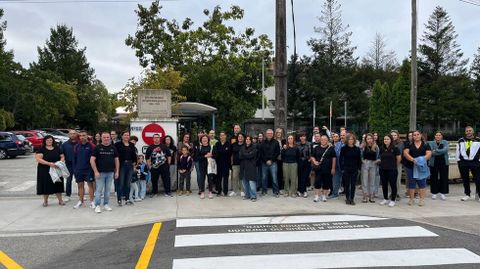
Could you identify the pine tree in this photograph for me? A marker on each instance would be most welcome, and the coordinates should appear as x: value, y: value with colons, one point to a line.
x: 401, y: 99
x: 475, y: 72
x: 379, y: 57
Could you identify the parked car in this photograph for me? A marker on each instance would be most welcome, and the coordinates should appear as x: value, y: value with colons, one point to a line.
x: 53, y: 132
x: 66, y: 130
x: 27, y: 144
x: 36, y: 138
x: 10, y: 146
x: 59, y: 139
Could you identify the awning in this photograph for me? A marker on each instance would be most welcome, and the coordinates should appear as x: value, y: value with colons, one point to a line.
x: 192, y: 109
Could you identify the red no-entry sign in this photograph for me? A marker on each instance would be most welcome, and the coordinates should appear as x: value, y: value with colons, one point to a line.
x: 150, y: 130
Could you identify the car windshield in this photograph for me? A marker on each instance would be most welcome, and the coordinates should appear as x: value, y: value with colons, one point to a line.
x: 40, y: 135
x: 21, y: 137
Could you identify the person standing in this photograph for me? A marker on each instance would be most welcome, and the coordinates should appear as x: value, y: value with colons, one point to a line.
x: 98, y: 139
x: 235, y: 162
x: 158, y: 160
x: 370, y: 160
x: 438, y: 166
x: 389, y: 160
x: 46, y: 158
x: 281, y: 142
x: 337, y: 178
x: 114, y: 136
x: 269, y: 152
x: 260, y: 139
x: 223, y: 157
x: 82, y: 152
x: 376, y: 184
x: 67, y: 149
x: 186, y: 142
x: 106, y: 167
x: 236, y: 131
x: 185, y: 165
x: 195, y: 156
x: 398, y: 143
x: 417, y: 156
x: 468, y: 158
x: 205, y: 152
x: 316, y: 130
x: 290, y: 158
x: 212, y: 137
x: 304, y: 167
x: 351, y: 163
x: 248, y: 169
x: 170, y: 143
x: 127, y: 155
x: 323, y: 160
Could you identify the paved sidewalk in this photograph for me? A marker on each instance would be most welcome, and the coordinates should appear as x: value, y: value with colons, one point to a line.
x: 26, y: 215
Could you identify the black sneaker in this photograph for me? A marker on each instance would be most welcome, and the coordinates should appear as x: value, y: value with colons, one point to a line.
x: 129, y: 202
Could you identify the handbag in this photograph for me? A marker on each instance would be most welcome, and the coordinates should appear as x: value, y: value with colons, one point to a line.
x: 317, y: 167
x: 212, y: 165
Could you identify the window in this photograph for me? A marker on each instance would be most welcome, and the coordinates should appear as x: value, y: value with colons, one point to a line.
x: 5, y: 137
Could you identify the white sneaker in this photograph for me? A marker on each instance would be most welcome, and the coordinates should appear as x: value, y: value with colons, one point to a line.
x: 107, y: 207
x: 391, y: 204
x: 78, y: 205
x: 465, y: 198
x: 138, y: 200
x: 242, y: 194
x: 384, y: 202
x: 305, y: 194
x: 324, y: 198
x: 434, y: 197
x: 92, y: 205
x: 98, y: 209
x: 66, y: 199
x: 476, y: 197
x: 442, y: 196
x: 316, y: 199
x: 232, y: 193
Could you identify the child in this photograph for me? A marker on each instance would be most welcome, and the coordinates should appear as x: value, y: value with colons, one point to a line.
x: 134, y: 192
x: 142, y: 176
x: 185, y: 169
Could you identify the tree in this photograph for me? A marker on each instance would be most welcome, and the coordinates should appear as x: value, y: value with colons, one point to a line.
x: 401, y: 99
x: 475, y: 72
x: 444, y: 90
x: 439, y: 52
x: 221, y: 67
x: 378, y: 57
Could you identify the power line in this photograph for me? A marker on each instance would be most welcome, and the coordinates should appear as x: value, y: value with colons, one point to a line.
x: 471, y: 2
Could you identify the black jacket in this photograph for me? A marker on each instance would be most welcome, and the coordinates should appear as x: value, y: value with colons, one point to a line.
x: 248, y: 163
x: 223, y: 154
x: 269, y: 150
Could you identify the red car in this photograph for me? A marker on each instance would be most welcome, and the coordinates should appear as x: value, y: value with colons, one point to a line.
x: 36, y: 138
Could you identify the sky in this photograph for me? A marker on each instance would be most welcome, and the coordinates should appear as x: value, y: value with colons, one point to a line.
x: 103, y: 27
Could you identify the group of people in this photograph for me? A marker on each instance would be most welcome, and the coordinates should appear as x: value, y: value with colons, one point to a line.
x: 330, y: 163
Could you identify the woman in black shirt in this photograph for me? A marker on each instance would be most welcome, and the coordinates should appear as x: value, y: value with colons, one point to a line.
x: 350, y: 162
x: 170, y: 143
x: 418, y: 148
x: 389, y: 159
x: 205, y: 152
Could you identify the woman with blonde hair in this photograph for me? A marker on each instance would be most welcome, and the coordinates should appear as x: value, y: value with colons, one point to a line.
x: 370, y: 159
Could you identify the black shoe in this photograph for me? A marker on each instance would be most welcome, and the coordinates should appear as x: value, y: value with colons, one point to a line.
x: 129, y: 202
x: 347, y: 202
x: 352, y: 202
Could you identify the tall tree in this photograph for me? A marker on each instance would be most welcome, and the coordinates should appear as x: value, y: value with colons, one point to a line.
x: 379, y: 57
x: 221, y: 67
x: 443, y: 80
x: 475, y: 72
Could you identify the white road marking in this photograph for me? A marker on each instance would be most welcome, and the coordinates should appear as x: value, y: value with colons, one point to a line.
x: 270, y: 220
x: 24, y: 186
x: 3, y: 183
x: 386, y: 258
x: 300, y: 236
x: 57, y: 233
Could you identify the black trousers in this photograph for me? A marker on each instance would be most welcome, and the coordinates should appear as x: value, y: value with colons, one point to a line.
x: 350, y: 180
x: 164, y: 172
x: 304, y: 169
x: 439, y: 176
x: 221, y: 180
x: 389, y: 177
x: 465, y: 168
x: 281, y: 184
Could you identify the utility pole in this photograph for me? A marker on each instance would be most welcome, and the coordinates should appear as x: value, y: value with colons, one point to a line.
x: 281, y: 65
x: 263, y: 89
x: 413, y: 87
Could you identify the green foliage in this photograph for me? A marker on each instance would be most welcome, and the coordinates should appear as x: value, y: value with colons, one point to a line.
x: 7, y: 120
x: 220, y: 67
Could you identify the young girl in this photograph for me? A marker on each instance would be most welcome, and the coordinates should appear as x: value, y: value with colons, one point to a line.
x: 142, y: 176
x: 185, y: 164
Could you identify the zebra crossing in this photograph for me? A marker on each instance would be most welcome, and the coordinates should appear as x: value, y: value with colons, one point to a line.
x: 317, y: 241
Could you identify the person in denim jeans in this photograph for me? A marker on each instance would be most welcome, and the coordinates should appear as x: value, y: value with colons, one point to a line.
x: 106, y: 166
x: 338, y: 143
x: 67, y: 149
x: 269, y: 152
x: 127, y: 155
x: 248, y: 169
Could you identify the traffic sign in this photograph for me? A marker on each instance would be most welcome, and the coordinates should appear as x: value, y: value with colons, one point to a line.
x: 150, y: 130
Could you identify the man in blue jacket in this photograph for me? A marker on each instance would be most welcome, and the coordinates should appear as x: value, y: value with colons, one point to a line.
x: 67, y: 149
x: 83, y: 170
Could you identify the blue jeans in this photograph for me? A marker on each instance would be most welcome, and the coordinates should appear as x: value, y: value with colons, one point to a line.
x: 142, y: 185
x: 337, y: 180
x: 122, y: 184
x: 250, y: 187
x: 272, y: 169
x: 103, y: 184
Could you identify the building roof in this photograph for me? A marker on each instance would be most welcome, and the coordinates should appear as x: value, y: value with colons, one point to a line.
x: 192, y: 109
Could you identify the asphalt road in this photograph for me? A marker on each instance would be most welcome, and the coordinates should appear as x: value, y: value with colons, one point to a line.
x: 186, y: 244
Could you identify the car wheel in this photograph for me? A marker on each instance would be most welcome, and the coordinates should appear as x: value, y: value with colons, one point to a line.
x: 12, y: 157
x: 3, y: 154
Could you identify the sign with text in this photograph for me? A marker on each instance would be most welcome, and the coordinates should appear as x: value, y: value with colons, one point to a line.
x: 154, y: 104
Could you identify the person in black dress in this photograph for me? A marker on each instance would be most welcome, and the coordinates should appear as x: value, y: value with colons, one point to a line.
x: 351, y: 163
x: 46, y: 157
